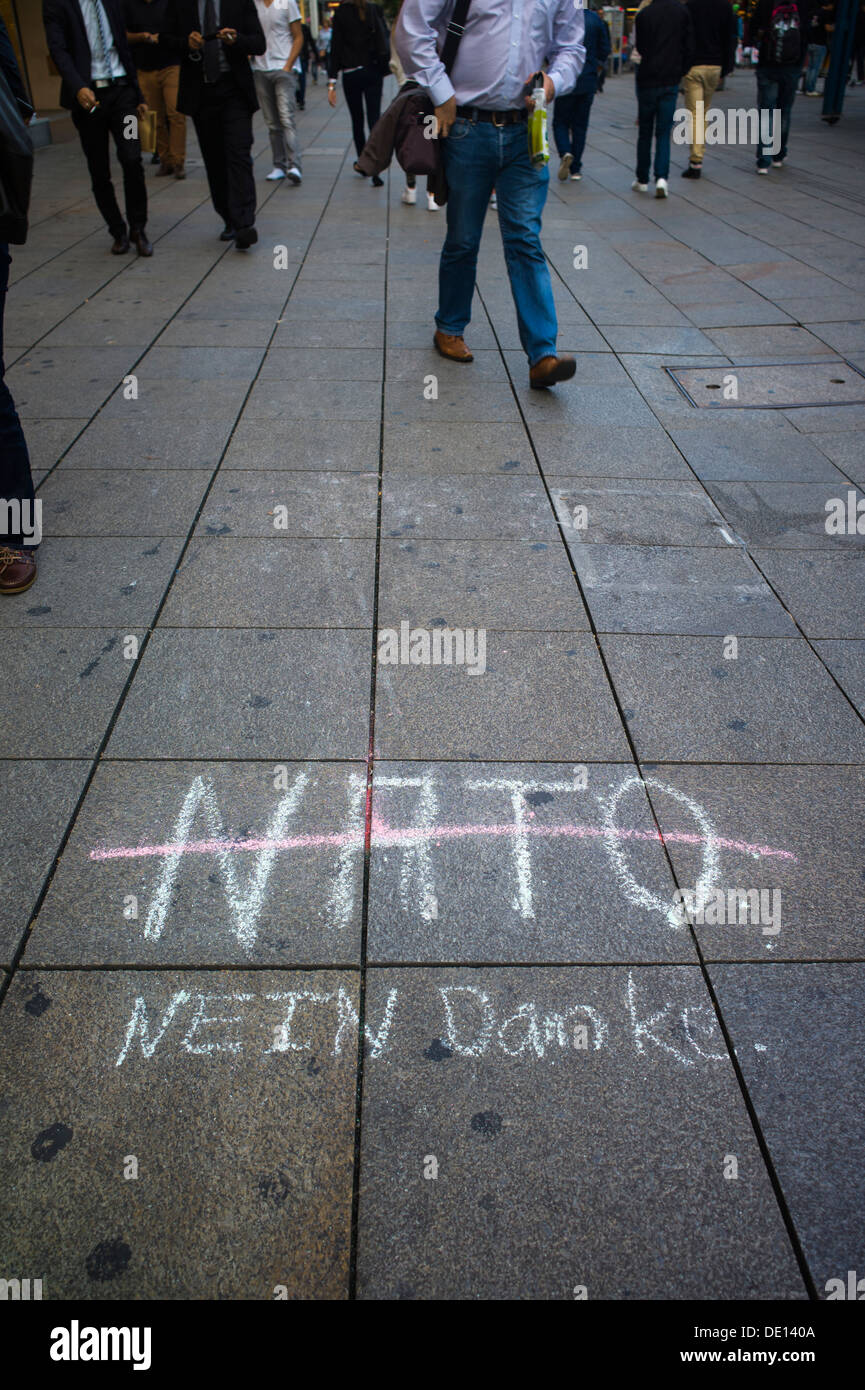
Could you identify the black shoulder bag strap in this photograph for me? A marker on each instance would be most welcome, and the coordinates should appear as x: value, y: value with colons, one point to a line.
x: 455, y: 30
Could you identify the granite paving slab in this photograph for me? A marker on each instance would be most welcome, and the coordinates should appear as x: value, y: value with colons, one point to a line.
x: 822, y: 589
x: 774, y: 703
x: 798, y: 1035
x: 217, y: 693
x: 132, y: 502
x: 202, y: 1145
x: 846, y: 661
x: 792, y: 515
x: 467, y: 508
x: 210, y: 864
x: 622, y: 512
x: 95, y: 582
x: 559, y: 1134
x: 539, y: 696
x: 279, y: 504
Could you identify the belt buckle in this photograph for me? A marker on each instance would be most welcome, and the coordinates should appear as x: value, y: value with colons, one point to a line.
x: 499, y: 125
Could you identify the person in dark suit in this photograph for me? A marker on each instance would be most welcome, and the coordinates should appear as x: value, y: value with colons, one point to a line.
x: 215, y: 40
x: 17, y: 498
x: 87, y: 40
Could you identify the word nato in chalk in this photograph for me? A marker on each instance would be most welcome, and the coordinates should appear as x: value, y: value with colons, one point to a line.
x: 76, y: 1343
x: 735, y: 907
x: 443, y: 646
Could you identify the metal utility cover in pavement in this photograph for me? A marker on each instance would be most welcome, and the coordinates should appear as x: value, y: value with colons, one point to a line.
x: 771, y: 388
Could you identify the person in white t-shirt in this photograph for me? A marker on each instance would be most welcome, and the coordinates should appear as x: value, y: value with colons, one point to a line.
x: 275, y: 83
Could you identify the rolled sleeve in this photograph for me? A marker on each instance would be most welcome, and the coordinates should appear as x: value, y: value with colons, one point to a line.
x: 415, y: 39
x: 568, y: 53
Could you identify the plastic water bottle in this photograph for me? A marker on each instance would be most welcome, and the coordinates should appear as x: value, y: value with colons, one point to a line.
x: 539, y: 145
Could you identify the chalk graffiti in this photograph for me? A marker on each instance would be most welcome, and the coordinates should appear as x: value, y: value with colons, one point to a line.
x: 418, y: 843
x: 466, y: 1019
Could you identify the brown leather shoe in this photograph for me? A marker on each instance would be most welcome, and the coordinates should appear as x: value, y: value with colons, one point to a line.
x: 120, y: 245
x: 138, y: 237
x: 164, y: 171
x: 17, y: 570
x: 452, y: 346
x: 550, y: 370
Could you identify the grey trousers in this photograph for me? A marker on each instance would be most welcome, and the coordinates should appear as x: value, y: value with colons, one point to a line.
x: 275, y: 91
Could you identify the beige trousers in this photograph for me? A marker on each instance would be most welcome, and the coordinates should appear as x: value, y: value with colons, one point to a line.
x: 699, y: 84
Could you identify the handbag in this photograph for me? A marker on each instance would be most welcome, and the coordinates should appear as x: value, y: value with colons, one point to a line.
x: 16, y: 167
x: 416, y: 151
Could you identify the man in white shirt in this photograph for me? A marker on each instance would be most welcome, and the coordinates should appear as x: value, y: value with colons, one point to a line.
x: 481, y: 108
x: 275, y: 83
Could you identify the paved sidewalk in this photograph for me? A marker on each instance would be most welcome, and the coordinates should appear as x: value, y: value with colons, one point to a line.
x: 234, y: 841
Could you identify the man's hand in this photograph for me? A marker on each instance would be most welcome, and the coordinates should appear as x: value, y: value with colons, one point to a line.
x: 549, y: 89
x: 142, y: 110
x: 445, y: 117
x: 331, y: 95
x: 86, y: 98
x: 228, y: 36
x: 195, y: 41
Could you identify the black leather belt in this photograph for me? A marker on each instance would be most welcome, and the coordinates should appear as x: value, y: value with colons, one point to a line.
x: 498, y: 118
x: 100, y: 82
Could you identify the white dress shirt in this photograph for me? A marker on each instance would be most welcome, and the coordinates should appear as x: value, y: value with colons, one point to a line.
x: 505, y: 41
x: 99, y: 66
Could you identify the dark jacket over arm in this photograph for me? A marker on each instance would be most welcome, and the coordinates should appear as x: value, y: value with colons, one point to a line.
x: 11, y: 71
x: 68, y: 46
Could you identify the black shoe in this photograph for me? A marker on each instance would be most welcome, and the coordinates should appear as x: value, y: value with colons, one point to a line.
x: 693, y: 171
x: 244, y: 238
x: 138, y: 237
x: 121, y: 244
x: 154, y: 159
x: 227, y: 233
x: 377, y: 182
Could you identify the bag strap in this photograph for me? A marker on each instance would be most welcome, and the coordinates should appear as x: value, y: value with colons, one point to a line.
x: 455, y: 30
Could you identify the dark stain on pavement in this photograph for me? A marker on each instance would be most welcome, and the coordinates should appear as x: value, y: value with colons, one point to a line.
x: 50, y: 1141
x: 488, y: 1123
x: 107, y: 1260
x: 437, y: 1051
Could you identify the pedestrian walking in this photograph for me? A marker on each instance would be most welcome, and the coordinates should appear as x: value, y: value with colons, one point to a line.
x: 571, y: 112
x: 360, y: 50
x: 781, y: 31
x: 274, y: 83
x: 664, y: 37
x: 714, y: 27
x: 481, y: 108
x: 99, y: 88
x: 158, y: 77
x: 215, y: 40
x: 18, y: 537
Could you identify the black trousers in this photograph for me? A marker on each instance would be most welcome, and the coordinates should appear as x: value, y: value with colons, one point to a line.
x: 110, y: 121
x: 362, y: 85
x: 15, y: 478
x: 223, y: 124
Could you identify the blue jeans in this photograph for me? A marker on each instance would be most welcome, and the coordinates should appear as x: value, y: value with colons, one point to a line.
x: 571, y: 124
x: 776, y: 90
x: 479, y: 157
x: 15, y: 478
x: 656, y: 107
x: 816, y: 54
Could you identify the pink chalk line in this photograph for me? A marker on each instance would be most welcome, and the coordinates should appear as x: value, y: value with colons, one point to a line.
x: 385, y: 835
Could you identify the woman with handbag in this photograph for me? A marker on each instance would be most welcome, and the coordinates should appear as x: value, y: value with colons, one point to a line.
x: 360, y: 50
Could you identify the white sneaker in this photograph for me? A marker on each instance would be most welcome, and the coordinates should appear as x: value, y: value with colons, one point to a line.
x: 777, y: 163
x: 276, y: 174
x: 640, y: 187
x: 762, y: 171
x: 565, y: 166
x: 432, y: 205
x: 295, y: 175
x: 661, y: 189
x: 409, y: 195
x: 575, y: 178
x: 494, y: 202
